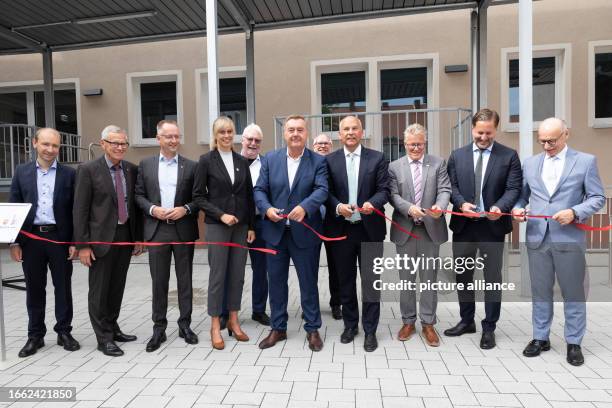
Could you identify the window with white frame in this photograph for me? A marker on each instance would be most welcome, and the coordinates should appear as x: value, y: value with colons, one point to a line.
x: 551, y: 85
x: 26, y: 105
x: 375, y: 84
x: 600, y: 83
x: 342, y: 92
x: 152, y: 97
x: 232, y: 100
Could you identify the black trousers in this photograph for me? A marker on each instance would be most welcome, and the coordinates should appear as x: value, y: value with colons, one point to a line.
x: 477, y: 236
x: 107, y: 277
x: 37, y: 256
x: 160, y: 259
x: 333, y: 278
x: 347, y: 254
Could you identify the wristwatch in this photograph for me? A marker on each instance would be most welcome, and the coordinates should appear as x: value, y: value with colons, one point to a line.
x: 186, y: 207
x: 575, y: 215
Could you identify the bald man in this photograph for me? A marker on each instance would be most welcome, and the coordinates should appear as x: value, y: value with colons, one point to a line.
x: 49, y: 187
x: 564, y: 183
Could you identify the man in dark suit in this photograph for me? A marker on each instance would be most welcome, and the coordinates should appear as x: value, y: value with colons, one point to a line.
x: 358, y: 183
x: 105, y: 210
x: 252, y: 138
x: 49, y: 187
x: 485, y: 176
x: 163, y: 194
x: 292, y: 181
x: 322, y: 144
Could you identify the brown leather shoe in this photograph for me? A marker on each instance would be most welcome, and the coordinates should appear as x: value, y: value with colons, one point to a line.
x: 430, y: 335
x: 314, y: 341
x: 406, y: 332
x: 239, y: 335
x: 218, y: 344
x: 274, y: 337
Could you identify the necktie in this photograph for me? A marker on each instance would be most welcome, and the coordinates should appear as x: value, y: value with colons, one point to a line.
x: 352, y: 185
x: 121, y: 206
x: 418, y: 190
x: 478, y: 180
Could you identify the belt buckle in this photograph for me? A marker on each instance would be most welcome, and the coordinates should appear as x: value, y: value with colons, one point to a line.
x: 43, y: 228
x: 169, y: 221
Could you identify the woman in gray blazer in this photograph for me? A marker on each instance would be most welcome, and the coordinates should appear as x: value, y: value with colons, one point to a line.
x: 224, y: 191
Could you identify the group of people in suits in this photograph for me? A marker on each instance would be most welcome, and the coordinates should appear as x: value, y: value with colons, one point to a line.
x: 275, y: 200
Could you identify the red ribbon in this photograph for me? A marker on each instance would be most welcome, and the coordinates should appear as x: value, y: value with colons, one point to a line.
x: 321, y: 236
x: 578, y: 225
x: 395, y: 224
x: 226, y: 244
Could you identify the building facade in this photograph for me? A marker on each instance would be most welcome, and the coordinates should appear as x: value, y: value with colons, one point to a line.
x: 392, y: 63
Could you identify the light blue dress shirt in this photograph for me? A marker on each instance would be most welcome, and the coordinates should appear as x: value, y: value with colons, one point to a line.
x: 168, y: 175
x: 45, y: 183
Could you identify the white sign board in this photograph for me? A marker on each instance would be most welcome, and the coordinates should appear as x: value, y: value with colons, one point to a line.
x: 12, y: 217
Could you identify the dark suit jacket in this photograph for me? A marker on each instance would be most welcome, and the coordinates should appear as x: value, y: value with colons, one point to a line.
x: 309, y: 190
x: 215, y: 194
x: 501, y: 185
x: 373, y: 183
x: 24, y: 190
x: 148, y: 194
x: 95, y: 204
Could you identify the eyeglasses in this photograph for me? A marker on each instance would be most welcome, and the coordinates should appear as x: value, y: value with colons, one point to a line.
x: 551, y: 142
x: 323, y: 143
x: 117, y: 145
x: 414, y: 146
x: 252, y: 140
x: 170, y: 137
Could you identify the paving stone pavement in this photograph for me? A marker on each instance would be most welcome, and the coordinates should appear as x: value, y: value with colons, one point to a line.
x: 398, y: 374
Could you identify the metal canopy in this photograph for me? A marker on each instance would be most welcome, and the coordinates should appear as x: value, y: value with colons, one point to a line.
x: 32, y: 25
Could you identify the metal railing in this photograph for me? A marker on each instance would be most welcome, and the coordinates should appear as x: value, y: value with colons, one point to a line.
x: 16, y: 147
x: 448, y: 128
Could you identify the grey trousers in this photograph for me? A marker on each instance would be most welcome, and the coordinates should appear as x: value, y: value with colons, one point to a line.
x: 227, y: 266
x: 428, y: 301
x: 567, y: 263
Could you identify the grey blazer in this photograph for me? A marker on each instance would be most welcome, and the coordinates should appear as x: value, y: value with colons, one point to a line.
x: 579, y: 188
x: 148, y: 194
x: 436, y: 190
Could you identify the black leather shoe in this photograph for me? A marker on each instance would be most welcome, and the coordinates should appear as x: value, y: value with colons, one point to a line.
x: 223, y: 322
x: 122, y: 337
x: 31, y: 346
x: 336, y: 312
x: 110, y: 349
x: 370, y: 343
x: 156, y: 340
x: 348, y: 335
x: 535, y: 347
x: 261, y: 318
x: 189, y: 336
x: 574, y: 355
x: 460, y: 328
x: 487, y: 341
x: 68, y: 342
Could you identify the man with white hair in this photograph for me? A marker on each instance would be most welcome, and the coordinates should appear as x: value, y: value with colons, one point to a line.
x: 105, y: 210
x: 252, y: 139
x: 420, y: 188
x: 564, y: 183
